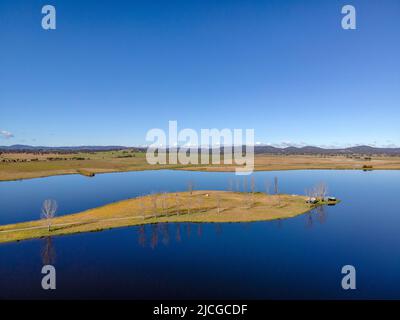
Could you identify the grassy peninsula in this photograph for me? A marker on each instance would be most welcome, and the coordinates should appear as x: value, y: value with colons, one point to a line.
x: 196, y: 206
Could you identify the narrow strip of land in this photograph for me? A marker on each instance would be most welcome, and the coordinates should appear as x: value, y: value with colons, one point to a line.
x: 196, y: 206
x: 15, y: 166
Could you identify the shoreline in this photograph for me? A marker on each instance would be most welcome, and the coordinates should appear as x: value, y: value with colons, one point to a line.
x: 211, y: 169
x: 16, y: 167
x: 183, y: 207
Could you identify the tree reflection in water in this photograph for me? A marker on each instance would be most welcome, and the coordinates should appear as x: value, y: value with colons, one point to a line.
x: 279, y: 223
x: 199, y: 230
x: 178, y: 232
x: 154, y: 236
x: 218, y: 228
x: 321, y: 214
x: 142, y: 236
x: 165, y: 233
x: 309, y: 219
x: 48, y: 252
x: 149, y: 236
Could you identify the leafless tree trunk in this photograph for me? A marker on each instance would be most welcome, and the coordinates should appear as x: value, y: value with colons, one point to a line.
x: 267, y: 186
x: 154, y: 203
x: 163, y: 203
x: 276, y: 187
x: 188, y: 206
x: 177, y: 203
x: 218, y: 203
x: 230, y: 185
x: 244, y: 184
x: 309, y: 193
x: 252, y: 184
x: 142, y: 208
x: 49, y: 209
x: 322, y: 190
x: 200, y: 202
x: 190, y: 187
x: 253, y: 188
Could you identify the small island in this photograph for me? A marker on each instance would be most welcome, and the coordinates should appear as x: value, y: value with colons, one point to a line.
x: 191, y: 206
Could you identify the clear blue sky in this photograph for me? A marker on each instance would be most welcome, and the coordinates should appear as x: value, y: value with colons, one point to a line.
x: 115, y: 69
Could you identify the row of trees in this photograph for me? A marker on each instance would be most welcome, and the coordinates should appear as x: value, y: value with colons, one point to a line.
x: 163, y: 204
x: 236, y: 186
x: 319, y: 192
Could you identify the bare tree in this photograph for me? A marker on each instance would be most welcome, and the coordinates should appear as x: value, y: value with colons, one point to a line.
x: 177, y: 203
x: 49, y: 209
x: 218, y: 203
x: 142, y: 207
x: 244, y: 184
x: 154, y: 203
x: 276, y: 187
x: 189, y: 206
x: 200, y: 202
x: 321, y: 190
x: 190, y: 187
x: 249, y: 199
x: 230, y: 185
x: 253, y: 188
x: 163, y: 203
x: 267, y: 186
x: 307, y: 193
x: 252, y: 184
x: 310, y: 193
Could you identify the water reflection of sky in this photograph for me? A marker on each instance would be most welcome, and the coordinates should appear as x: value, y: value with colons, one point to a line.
x: 299, y: 257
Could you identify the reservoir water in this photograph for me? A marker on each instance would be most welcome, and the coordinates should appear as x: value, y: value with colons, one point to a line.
x: 295, y: 258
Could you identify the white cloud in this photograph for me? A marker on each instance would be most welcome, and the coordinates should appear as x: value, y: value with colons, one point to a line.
x: 286, y: 144
x: 6, y: 134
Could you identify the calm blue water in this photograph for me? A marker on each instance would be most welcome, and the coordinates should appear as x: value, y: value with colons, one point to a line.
x: 294, y: 258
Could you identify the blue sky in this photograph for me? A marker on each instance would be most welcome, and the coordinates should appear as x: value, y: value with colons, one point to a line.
x: 112, y: 70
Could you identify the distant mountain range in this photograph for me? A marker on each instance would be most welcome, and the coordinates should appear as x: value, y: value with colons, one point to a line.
x: 367, y: 150
x: 316, y: 150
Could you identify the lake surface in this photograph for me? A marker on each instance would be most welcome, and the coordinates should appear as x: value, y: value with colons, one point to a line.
x: 296, y: 258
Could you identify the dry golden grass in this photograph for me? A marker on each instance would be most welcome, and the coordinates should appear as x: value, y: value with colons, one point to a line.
x: 200, y: 206
x: 116, y: 161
